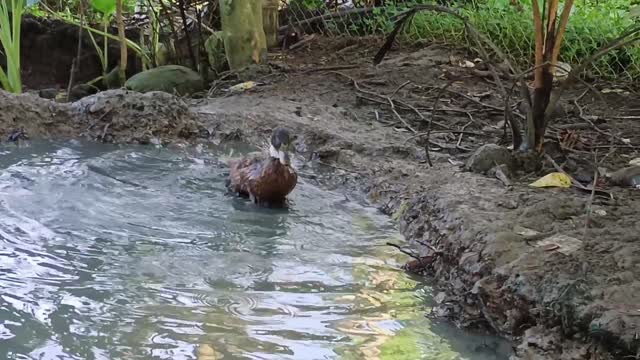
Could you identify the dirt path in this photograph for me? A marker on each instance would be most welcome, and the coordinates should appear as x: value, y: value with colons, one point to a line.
x: 481, y: 240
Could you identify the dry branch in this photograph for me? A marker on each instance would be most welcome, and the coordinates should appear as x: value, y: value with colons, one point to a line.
x: 479, y: 40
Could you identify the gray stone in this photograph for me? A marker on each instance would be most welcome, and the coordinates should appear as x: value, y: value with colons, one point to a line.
x: 48, y: 93
x: 488, y: 156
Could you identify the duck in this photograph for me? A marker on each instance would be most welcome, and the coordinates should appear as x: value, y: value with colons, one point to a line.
x: 266, y: 177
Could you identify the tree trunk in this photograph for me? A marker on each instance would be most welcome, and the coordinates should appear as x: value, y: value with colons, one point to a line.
x: 244, y: 38
x: 123, y: 43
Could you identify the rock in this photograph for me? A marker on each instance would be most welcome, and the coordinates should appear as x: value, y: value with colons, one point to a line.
x: 488, y: 156
x: 48, y: 93
x: 168, y: 78
x: 80, y: 91
x: 502, y: 173
x: 629, y: 176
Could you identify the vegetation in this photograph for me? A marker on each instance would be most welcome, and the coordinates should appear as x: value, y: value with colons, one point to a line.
x: 593, y: 24
x: 10, y: 21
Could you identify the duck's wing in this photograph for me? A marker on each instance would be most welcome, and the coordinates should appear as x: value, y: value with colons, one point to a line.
x: 242, y: 172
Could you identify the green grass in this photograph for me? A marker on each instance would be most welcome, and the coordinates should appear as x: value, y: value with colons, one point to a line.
x: 591, y: 26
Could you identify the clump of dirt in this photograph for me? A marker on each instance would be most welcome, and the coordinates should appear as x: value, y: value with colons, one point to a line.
x: 554, y: 269
x: 125, y: 117
x: 114, y: 116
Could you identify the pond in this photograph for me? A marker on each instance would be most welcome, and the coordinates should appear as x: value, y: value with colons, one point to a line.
x: 132, y: 252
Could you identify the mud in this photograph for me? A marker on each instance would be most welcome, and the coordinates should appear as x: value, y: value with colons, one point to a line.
x: 481, y: 241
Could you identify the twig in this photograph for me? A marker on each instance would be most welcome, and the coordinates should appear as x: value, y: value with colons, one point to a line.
x: 302, y: 42
x: 339, y: 167
x: 626, y: 38
x: 431, y: 247
x: 183, y: 14
x: 204, y: 26
x: 470, y: 98
x: 400, y: 88
x: 331, y: 68
x: 462, y: 132
x: 479, y: 39
x: 415, y: 110
x: 172, y: 25
x: 433, y: 115
x: 409, y: 253
x: 593, y: 192
x: 347, y: 48
x: 573, y: 181
x: 388, y: 101
x: 104, y: 131
x: 393, y: 109
x: 595, y: 127
x: 99, y: 119
x: 75, y: 64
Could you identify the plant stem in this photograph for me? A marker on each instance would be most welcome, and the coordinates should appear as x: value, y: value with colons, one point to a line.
x: 123, y: 43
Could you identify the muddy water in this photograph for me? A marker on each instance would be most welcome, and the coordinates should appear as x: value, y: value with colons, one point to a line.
x: 138, y: 253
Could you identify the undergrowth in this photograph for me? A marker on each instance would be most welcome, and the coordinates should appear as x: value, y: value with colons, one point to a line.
x: 592, y: 24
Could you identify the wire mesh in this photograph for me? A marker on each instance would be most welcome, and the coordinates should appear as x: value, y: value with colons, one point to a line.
x: 510, y: 27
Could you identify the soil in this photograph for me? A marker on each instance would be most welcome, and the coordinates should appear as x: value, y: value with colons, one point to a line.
x: 48, y: 47
x: 554, y: 269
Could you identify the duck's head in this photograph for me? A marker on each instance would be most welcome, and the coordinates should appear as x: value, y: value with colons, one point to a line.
x: 280, y: 145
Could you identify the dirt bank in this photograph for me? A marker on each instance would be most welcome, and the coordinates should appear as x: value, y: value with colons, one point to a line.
x: 577, y: 298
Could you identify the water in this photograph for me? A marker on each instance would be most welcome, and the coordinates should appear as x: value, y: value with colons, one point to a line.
x: 162, y: 264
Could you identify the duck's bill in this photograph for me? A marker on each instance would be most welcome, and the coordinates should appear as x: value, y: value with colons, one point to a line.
x: 284, y: 157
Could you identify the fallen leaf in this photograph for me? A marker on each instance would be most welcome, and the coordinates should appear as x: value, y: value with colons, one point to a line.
x: 523, y: 231
x: 550, y: 247
x: 466, y: 64
x: 243, y: 86
x: 600, y: 212
x: 608, y: 90
x: 555, y: 179
x: 480, y: 95
x: 561, y: 243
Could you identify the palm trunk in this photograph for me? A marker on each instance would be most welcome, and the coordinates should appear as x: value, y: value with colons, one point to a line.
x: 245, y: 41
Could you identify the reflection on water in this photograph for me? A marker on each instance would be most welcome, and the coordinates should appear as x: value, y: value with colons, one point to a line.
x: 137, y: 253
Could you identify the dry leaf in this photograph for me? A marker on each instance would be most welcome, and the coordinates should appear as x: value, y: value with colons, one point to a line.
x: 555, y: 179
x: 243, y: 86
x: 561, y: 243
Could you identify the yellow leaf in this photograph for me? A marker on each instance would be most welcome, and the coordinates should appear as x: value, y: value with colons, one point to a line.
x: 556, y: 179
x: 242, y: 86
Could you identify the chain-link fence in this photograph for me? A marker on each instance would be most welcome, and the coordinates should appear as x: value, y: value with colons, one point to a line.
x: 507, y: 23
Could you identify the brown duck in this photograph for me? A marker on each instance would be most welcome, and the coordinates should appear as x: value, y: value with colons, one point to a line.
x: 267, y: 177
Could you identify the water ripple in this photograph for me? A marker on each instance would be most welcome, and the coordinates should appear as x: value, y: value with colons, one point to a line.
x: 138, y: 252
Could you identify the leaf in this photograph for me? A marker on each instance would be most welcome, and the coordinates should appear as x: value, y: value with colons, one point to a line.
x: 556, y: 179
x: 106, y: 7
x: 634, y: 12
x: 243, y: 86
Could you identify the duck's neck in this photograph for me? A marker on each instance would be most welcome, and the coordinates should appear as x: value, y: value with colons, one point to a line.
x: 273, y: 153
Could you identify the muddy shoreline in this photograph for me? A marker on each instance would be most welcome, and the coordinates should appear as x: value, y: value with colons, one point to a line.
x: 472, y: 232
